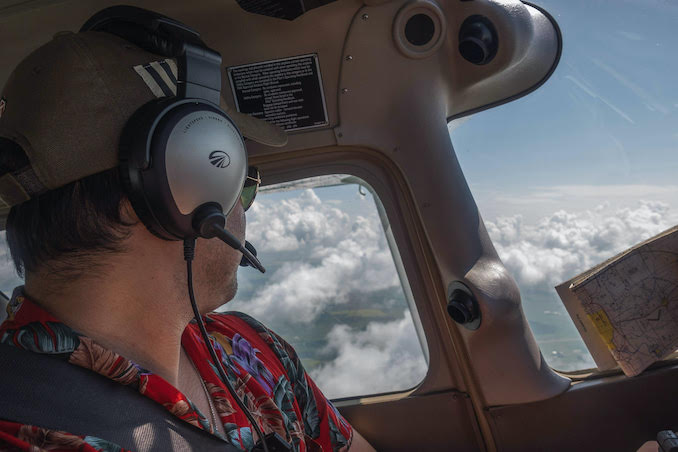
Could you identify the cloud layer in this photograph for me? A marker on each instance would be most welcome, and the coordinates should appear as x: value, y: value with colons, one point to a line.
x: 559, y: 246
x: 328, y: 256
x: 383, y: 357
x: 335, y: 255
x: 325, y: 256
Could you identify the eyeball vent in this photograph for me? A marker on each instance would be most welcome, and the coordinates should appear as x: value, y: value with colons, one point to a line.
x: 478, y: 41
x: 419, y: 29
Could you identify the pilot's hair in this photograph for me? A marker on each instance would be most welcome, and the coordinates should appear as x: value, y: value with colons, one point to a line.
x: 65, y: 230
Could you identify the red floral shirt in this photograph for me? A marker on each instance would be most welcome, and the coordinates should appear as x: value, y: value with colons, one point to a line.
x: 278, y: 392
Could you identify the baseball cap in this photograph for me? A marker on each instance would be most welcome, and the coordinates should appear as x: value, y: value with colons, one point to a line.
x: 65, y: 105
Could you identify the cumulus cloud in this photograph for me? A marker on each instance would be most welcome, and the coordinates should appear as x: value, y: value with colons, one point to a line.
x: 337, y: 255
x: 295, y: 222
x: 532, y: 202
x: 559, y: 246
x: 330, y: 271
x: 386, y: 356
x: 8, y: 277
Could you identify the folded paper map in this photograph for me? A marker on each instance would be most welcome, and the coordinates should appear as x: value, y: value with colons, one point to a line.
x: 626, y: 309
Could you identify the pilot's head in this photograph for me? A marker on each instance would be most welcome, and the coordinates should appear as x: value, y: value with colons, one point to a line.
x: 67, y: 211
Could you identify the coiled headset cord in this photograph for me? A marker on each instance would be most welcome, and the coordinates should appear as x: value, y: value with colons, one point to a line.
x: 189, y: 253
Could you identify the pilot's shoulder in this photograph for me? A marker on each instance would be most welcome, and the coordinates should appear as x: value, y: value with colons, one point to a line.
x: 237, y: 320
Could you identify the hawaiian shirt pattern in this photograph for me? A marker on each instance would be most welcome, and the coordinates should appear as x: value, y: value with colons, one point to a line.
x: 264, y: 370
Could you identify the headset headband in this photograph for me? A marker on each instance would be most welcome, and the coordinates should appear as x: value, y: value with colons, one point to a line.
x: 164, y: 36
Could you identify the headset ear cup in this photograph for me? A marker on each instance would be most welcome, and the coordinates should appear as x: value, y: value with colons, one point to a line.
x: 167, y: 164
x: 135, y: 158
x: 130, y: 178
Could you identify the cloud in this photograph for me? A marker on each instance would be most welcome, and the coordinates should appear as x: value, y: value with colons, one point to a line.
x: 8, y: 277
x: 532, y: 202
x: 336, y: 255
x: 559, y: 246
x: 295, y: 222
x: 327, y: 253
x: 386, y: 356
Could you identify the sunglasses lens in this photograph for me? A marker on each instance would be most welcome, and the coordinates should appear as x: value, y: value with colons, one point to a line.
x: 247, y: 196
x: 249, y: 191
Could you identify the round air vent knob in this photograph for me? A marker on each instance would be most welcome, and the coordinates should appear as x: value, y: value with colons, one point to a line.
x: 419, y: 28
x: 462, y: 306
x: 478, y: 41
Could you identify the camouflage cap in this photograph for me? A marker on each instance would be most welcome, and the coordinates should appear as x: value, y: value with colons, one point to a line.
x: 65, y: 105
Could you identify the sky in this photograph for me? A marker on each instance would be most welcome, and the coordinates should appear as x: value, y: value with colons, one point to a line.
x: 604, y: 127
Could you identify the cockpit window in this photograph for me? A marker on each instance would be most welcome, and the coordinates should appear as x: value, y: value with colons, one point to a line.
x: 8, y: 277
x: 585, y: 166
x: 334, y: 287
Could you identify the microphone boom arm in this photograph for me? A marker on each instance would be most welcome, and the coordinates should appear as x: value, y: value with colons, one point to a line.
x: 234, y: 243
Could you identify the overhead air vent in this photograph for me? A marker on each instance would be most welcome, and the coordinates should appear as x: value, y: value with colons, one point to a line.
x: 419, y: 29
x: 478, y: 42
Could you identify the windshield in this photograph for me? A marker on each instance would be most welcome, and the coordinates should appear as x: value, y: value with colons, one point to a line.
x: 585, y: 166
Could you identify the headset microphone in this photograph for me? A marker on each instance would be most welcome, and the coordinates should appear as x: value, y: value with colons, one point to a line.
x: 245, y: 262
x: 227, y: 237
x: 209, y: 222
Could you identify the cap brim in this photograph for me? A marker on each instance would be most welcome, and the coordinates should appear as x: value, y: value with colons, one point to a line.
x: 256, y: 129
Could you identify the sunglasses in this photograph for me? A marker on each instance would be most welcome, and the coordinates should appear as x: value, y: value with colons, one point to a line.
x: 249, y: 191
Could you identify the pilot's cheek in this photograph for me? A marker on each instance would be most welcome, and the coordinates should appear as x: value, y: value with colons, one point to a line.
x: 235, y: 222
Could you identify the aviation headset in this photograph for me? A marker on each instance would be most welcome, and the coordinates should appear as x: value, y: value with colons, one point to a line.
x: 183, y: 161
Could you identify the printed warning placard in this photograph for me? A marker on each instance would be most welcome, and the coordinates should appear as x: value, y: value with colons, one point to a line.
x: 287, y: 92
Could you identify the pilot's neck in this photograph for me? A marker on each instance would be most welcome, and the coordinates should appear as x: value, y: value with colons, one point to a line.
x: 135, y: 305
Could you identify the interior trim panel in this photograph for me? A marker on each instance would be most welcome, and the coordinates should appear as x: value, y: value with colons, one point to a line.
x: 595, y: 415
x: 435, y: 422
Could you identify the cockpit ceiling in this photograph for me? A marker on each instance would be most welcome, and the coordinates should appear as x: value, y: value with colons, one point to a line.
x: 281, y: 9
x: 378, y: 61
x: 413, y: 40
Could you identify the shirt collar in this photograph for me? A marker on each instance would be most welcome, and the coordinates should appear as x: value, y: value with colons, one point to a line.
x: 21, y: 310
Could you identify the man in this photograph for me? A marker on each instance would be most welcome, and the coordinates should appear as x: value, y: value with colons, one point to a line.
x: 104, y: 293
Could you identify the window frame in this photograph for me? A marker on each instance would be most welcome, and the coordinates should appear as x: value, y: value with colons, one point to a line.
x: 428, y: 293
